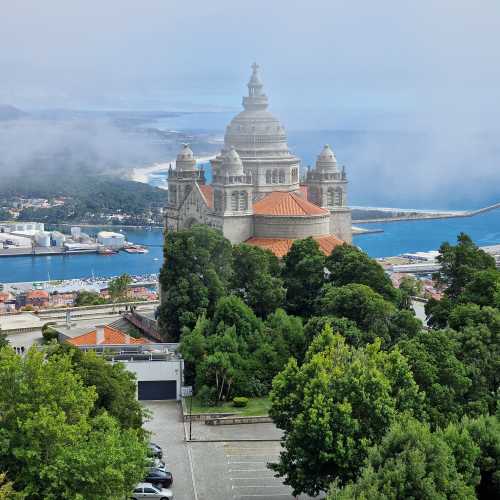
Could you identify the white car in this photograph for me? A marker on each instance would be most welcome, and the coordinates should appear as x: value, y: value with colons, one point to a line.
x: 147, y: 490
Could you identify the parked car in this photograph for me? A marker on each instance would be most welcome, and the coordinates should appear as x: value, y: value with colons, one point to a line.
x: 155, y: 450
x: 159, y: 477
x: 148, y: 490
x: 158, y: 464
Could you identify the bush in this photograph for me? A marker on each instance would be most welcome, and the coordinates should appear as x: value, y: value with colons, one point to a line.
x: 207, y: 396
x: 48, y: 333
x: 240, y: 402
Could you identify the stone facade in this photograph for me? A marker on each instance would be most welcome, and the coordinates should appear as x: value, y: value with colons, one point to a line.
x: 255, y: 164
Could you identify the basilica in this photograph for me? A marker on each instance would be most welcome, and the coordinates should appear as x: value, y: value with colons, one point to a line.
x: 258, y: 195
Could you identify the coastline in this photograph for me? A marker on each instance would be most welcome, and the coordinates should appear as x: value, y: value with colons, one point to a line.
x: 142, y: 174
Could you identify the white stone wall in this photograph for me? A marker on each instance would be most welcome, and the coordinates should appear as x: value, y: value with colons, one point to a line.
x: 291, y: 227
x: 341, y: 224
x: 238, y: 228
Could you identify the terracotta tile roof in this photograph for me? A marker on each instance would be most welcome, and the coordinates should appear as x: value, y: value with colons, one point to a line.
x: 42, y: 294
x: 112, y: 336
x: 208, y: 194
x: 281, y: 246
x: 283, y: 203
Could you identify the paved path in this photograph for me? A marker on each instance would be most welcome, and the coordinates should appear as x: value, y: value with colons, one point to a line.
x: 223, y: 470
x: 168, y: 432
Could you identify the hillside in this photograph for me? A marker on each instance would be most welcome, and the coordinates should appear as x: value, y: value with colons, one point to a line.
x: 10, y: 113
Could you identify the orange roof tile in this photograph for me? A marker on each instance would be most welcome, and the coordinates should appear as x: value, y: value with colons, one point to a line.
x: 208, y: 194
x: 283, y: 203
x: 112, y: 336
x: 281, y: 246
x: 32, y: 294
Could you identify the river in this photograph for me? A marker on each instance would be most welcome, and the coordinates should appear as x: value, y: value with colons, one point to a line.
x: 397, y: 238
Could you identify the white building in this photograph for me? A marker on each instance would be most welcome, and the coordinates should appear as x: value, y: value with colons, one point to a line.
x: 76, y: 232
x: 42, y: 239
x: 58, y: 238
x: 111, y: 240
x: 158, y: 367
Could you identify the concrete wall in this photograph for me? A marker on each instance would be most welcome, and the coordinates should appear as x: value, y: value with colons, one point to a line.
x: 157, y: 370
x: 291, y: 227
x: 340, y: 224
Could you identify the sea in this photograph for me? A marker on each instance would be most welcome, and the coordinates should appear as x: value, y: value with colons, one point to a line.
x: 370, y: 185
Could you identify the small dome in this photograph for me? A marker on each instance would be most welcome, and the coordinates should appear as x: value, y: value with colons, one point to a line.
x: 232, y: 164
x: 326, y: 159
x: 185, y: 159
x: 185, y: 153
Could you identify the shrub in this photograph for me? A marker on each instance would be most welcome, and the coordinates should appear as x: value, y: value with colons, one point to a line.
x: 240, y: 402
x: 48, y: 333
x: 207, y: 396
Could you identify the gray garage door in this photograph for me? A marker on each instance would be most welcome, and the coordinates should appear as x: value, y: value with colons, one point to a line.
x: 156, y: 389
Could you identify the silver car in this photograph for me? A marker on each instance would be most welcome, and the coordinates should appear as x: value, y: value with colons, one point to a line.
x: 147, y: 490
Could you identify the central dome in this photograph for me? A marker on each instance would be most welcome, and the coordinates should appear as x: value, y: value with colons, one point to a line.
x: 255, y: 132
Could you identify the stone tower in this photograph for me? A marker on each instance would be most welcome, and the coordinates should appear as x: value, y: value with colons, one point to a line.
x: 327, y: 187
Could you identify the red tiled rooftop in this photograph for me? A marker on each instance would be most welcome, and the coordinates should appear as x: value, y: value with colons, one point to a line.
x: 112, y: 336
x: 281, y: 246
x: 208, y: 194
x: 32, y: 294
x: 283, y: 203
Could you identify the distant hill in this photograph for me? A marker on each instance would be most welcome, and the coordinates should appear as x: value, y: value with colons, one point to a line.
x: 11, y: 113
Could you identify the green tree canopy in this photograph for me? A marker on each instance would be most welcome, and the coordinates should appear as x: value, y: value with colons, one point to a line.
x: 433, y: 359
x: 411, y: 462
x: 195, y: 275
x: 85, y: 298
x: 257, y: 279
x: 371, y: 313
x: 51, y: 445
x: 118, y: 287
x: 334, y: 407
x: 459, y: 263
x: 304, y: 275
x: 348, y: 264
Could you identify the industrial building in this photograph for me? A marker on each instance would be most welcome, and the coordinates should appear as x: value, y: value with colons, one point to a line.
x: 116, y: 241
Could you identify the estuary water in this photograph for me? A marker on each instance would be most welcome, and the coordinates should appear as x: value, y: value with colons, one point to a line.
x: 397, y: 238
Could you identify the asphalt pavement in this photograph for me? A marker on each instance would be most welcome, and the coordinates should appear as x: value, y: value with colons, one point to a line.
x: 229, y: 467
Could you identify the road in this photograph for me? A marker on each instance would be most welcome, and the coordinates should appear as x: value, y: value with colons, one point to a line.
x: 220, y: 470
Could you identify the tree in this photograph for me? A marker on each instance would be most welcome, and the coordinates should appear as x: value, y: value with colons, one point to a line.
x: 334, y: 407
x: 483, y: 289
x: 115, y: 387
x: 433, y: 359
x: 343, y: 326
x: 195, y: 275
x: 84, y: 298
x: 410, y: 462
x: 6, y: 489
x: 459, y: 263
x: 304, y: 275
x: 51, y: 444
x: 4, y: 341
x: 485, y: 432
x: 256, y: 279
x: 347, y: 264
x: 118, y: 288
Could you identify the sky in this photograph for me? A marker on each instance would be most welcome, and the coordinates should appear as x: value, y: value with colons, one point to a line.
x: 352, y: 56
x: 326, y: 64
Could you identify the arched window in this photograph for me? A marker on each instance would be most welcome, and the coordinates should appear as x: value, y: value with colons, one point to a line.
x: 268, y: 177
x: 295, y: 174
x: 275, y: 176
x: 331, y: 197
x: 282, y: 176
x: 234, y: 200
x: 172, y: 195
x: 218, y: 201
x: 243, y: 200
x: 338, y: 198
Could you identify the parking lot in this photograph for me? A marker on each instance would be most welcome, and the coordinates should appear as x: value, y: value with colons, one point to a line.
x: 223, y: 469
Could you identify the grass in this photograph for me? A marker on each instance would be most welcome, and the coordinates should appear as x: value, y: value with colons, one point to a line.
x: 256, y: 407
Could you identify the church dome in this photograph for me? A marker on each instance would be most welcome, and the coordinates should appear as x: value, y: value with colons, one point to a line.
x: 255, y: 131
x: 232, y: 164
x: 185, y: 159
x: 326, y: 160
